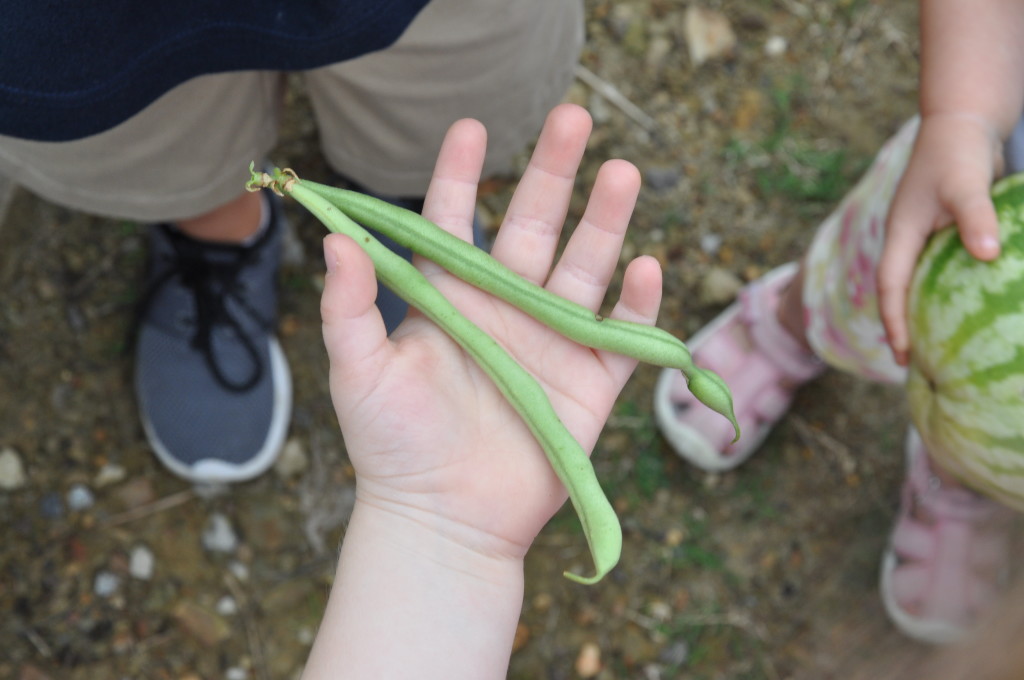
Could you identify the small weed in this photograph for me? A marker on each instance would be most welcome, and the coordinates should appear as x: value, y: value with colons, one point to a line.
x: 783, y: 164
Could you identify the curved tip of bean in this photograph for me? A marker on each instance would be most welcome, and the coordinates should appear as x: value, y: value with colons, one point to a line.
x: 585, y: 580
x: 710, y: 390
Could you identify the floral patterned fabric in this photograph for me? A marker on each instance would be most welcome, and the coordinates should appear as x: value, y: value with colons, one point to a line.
x: 840, y: 296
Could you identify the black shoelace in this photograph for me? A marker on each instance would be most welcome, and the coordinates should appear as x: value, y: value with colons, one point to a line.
x: 212, y: 284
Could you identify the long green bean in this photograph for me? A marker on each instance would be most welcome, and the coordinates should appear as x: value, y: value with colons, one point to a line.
x: 471, y: 264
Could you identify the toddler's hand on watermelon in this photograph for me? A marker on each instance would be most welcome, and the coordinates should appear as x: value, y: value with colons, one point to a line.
x: 948, y: 179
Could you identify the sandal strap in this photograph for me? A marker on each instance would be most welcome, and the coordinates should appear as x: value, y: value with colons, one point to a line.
x: 758, y: 304
x: 924, y: 487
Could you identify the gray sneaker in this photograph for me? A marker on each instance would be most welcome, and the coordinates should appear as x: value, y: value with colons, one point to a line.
x: 212, y: 383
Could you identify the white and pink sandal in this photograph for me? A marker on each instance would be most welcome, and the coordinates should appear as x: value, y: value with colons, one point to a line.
x: 948, y: 556
x: 760, y: 362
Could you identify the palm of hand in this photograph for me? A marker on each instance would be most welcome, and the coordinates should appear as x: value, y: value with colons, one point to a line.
x: 457, y: 451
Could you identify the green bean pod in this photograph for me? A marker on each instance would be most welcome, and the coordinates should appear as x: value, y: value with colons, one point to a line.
x: 648, y: 344
x: 568, y: 459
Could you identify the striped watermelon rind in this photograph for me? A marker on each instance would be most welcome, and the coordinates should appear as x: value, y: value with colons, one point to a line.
x: 965, y: 381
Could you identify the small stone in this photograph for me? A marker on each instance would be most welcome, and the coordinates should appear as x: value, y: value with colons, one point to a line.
x: 675, y: 654
x: 658, y: 51
x: 621, y: 19
x: 305, y: 636
x: 236, y: 673
x: 711, y: 243
x: 106, y: 584
x: 226, y: 606
x: 239, y: 571
x: 719, y: 286
x: 708, y: 34
x: 12, y: 472
x: 674, y: 537
x: 135, y: 493
x: 543, y: 601
x: 51, y: 506
x: 588, y: 661
x: 219, y: 536
x: 660, y: 611
x: 662, y: 178
x: 110, y: 473
x: 141, y: 563
x: 293, y: 460
x: 201, y: 623
x: 775, y: 46
x: 80, y: 497
x: 748, y: 109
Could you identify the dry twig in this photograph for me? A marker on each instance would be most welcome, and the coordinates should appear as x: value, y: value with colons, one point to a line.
x: 616, y: 98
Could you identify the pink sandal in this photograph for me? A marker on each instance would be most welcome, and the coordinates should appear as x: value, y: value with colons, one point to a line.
x: 762, y: 375
x: 948, y: 556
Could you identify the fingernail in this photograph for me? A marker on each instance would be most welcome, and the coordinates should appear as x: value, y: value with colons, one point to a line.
x: 989, y: 244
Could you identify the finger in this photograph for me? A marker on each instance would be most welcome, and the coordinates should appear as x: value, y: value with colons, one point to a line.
x: 450, y: 201
x: 353, y: 329
x: 895, y: 269
x: 529, y: 233
x: 972, y: 210
x: 639, y: 302
x: 592, y: 254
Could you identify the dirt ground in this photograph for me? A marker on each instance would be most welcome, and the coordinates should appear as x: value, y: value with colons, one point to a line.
x: 767, y: 572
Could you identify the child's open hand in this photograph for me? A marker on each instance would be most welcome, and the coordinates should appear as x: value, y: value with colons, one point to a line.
x: 431, y: 438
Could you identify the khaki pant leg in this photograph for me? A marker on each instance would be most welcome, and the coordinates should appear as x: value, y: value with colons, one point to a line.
x: 182, y: 156
x: 382, y: 116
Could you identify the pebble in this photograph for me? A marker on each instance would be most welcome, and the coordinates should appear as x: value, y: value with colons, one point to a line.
x: 106, y: 584
x: 218, y: 535
x: 660, y: 611
x: 226, y: 606
x: 588, y: 661
x: 80, y: 497
x: 51, y: 506
x: 662, y: 178
x: 202, y: 624
x: 141, y: 563
x: 239, y: 571
x: 775, y: 46
x: 293, y: 460
x: 708, y: 34
x: 711, y: 243
x: 110, y: 473
x: 236, y: 673
x: 12, y: 471
x: 621, y: 19
x: 675, y: 654
x: 719, y: 286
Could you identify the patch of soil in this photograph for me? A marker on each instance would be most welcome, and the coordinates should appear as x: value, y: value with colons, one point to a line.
x: 766, y: 572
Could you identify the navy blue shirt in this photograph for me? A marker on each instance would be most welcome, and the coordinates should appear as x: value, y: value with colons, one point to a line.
x: 73, y: 68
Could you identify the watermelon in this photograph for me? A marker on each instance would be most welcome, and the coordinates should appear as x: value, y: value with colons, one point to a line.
x: 965, y: 380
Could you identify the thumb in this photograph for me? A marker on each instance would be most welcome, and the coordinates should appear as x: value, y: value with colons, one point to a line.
x: 353, y: 329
